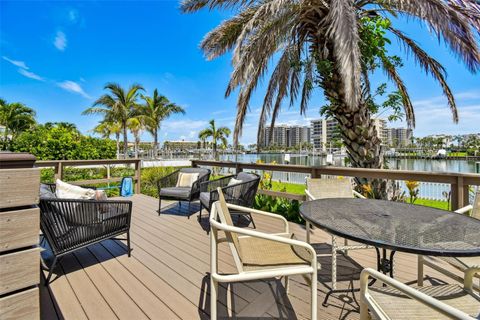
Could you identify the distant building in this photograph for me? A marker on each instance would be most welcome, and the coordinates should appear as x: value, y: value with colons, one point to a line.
x: 180, y: 145
x: 286, y: 136
x: 325, y: 132
x: 399, y: 137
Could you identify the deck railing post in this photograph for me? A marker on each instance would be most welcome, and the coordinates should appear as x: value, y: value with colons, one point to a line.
x: 458, y: 194
x: 59, y: 170
x: 138, y: 173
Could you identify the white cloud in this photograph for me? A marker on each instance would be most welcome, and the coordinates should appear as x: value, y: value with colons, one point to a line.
x: 73, y: 87
x: 73, y: 15
x: 17, y: 63
x: 60, y: 41
x: 30, y: 75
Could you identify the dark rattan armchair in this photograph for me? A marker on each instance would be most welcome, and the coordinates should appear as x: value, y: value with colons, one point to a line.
x: 168, y: 190
x: 72, y: 224
x: 242, y: 193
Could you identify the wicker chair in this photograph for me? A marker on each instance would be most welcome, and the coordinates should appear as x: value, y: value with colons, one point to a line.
x: 72, y: 224
x: 460, y: 264
x: 168, y: 190
x: 333, y: 188
x: 258, y: 255
x: 242, y: 193
x: 399, y: 301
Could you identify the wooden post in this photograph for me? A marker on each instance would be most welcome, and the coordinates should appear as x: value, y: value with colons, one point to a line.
x: 59, y: 170
x: 138, y: 173
x: 458, y: 194
x: 238, y: 168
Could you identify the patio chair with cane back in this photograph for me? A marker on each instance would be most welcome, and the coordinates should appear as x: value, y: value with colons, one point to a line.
x: 333, y: 188
x: 258, y: 255
x: 400, y: 301
x: 461, y: 264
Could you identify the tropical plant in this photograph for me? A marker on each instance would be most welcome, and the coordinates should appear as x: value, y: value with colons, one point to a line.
x: 15, y: 117
x: 118, y: 105
x: 156, y: 109
x: 217, y: 134
x: 107, y: 128
x: 135, y: 125
x: 413, y: 190
x: 335, y: 46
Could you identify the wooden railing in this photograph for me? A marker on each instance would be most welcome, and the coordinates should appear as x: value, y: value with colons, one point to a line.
x: 59, y: 166
x: 459, y: 182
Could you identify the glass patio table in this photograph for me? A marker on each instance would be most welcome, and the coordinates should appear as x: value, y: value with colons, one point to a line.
x: 395, y: 226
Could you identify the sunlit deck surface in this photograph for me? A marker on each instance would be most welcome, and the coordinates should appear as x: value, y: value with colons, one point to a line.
x: 167, y: 275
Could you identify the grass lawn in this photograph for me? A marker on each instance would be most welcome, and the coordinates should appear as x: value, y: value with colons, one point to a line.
x: 457, y: 154
x: 433, y: 203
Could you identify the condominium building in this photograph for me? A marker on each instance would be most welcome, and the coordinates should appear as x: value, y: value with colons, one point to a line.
x: 286, y: 136
x: 399, y: 137
x: 325, y: 132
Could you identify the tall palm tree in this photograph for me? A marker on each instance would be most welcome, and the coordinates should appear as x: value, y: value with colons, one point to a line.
x: 335, y: 45
x: 107, y: 128
x: 135, y: 125
x: 217, y: 134
x: 156, y: 109
x: 117, y: 105
x: 15, y: 117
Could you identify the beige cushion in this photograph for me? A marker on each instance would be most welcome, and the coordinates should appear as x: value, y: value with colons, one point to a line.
x: 100, y: 195
x: 70, y: 191
x: 236, y: 191
x: 234, y: 181
x: 186, y: 179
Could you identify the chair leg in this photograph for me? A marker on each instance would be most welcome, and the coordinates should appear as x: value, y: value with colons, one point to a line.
x: 129, y: 248
x: 334, y: 263
x: 159, y: 205
x: 307, y: 230
x: 314, y: 296
x: 251, y: 220
x: 213, y: 298
x: 50, y: 271
x: 364, y: 315
x: 287, y: 284
x: 200, y: 213
x: 189, y: 209
x: 420, y: 270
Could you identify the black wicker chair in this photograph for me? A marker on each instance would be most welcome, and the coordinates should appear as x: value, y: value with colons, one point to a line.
x: 72, y: 224
x: 242, y: 193
x: 168, y: 190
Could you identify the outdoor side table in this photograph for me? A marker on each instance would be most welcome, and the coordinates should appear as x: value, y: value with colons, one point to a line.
x: 395, y: 226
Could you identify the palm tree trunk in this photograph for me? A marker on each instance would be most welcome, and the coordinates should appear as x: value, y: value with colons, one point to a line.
x: 136, y: 145
x: 5, y: 139
x: 117, y: 137
x: 155, y: 143
x: 214, y: 150
x: 125, y: 139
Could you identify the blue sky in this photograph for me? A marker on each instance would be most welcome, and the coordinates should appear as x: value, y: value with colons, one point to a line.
x: 56, y: 57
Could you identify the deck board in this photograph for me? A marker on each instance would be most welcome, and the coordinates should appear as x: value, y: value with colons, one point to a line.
x: 167, y: 275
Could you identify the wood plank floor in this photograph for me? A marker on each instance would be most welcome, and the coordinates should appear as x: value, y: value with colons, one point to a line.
x: 167, y: 275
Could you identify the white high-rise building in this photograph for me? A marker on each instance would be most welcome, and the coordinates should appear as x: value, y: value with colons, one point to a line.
x: 286, y: 136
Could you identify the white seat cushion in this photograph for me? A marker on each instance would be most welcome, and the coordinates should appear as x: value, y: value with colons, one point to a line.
x: 69, y: 191
x: 186, y: 179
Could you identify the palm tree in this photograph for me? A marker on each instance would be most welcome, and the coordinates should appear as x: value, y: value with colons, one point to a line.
x: 156, y: 109
x: 106, y: 128
x: 118, y: 105
x: 216, y: 134
x: 15, y: 117
x: 135, y: 125
x: 334, y: 45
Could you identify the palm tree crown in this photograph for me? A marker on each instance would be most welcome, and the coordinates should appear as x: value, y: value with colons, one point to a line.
x: 156, y: 109
x: 117, y: 105
x: 15, y: 117
x: 334, y: 45
x: 217, y: 134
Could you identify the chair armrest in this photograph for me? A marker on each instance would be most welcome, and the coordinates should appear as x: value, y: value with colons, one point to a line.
x: 464, y: 209
x: 468, y: 279
x: 272, y: 237
x: 409, y: 291
x: 212, y: 185
x: 263, y: 213
x: 195, y: 191
x: 358, y: 195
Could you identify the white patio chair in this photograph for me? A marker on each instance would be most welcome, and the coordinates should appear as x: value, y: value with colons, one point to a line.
x: 333, y: 188
x: 460, y: 264
x: 399, y: 301
x: 258, y: 255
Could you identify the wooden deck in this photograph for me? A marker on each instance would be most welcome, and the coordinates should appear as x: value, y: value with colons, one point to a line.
x: 167, y: 275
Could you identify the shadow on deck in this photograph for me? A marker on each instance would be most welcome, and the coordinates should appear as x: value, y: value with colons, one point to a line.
x: 167, y: 275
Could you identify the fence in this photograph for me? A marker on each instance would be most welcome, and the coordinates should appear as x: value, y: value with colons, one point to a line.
x: 457, y: 184
x: 59, y: 166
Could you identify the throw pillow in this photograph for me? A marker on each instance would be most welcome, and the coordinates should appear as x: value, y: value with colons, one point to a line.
x: 70, y: 191
x: 234, y: 192
x: 186, y: 179
x: 234, y: 181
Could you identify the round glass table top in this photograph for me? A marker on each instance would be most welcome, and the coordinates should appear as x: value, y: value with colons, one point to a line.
x: 396, y: 225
